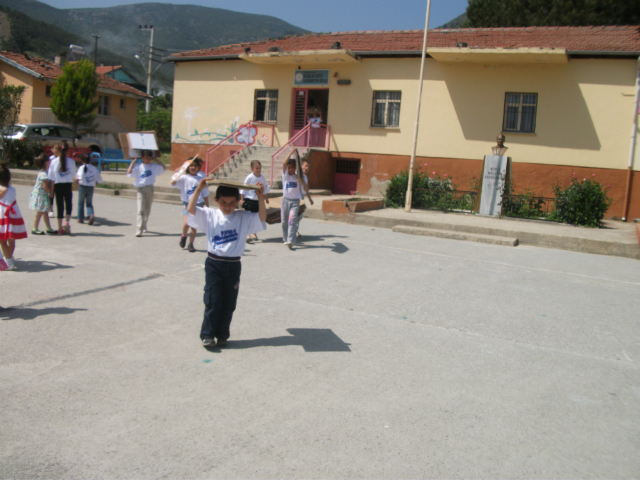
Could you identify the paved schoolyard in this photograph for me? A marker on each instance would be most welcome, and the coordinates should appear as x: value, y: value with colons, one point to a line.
x: 363, y: 354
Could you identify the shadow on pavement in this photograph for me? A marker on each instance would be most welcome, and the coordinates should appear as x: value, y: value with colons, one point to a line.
x: 304, y: 238
x: 311, y: 339
x: 103, y: 222
x: 32, y: 313
x: 96, y: 234
x: 35, y: 266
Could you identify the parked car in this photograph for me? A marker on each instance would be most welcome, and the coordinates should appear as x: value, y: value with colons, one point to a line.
x: 49, y: 134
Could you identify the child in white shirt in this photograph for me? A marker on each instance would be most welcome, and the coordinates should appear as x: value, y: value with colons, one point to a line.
x: 188, y: 183
x: 291, y: 196
x: 86, y: 178
x: 249, y: 198
x: 145, y: 174
x: 226, y: 229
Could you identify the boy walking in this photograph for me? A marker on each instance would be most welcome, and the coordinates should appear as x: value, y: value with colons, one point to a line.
x: 226, y: 230
x: 144, y: 175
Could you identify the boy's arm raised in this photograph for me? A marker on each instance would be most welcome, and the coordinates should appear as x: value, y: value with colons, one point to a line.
x: 262, y: 208
x: 193, y: 201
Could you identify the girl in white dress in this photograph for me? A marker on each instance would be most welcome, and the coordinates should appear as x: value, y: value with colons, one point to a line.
x: 11, y: 223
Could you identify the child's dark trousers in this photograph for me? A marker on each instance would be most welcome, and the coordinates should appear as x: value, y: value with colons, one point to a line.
x: 222, y: 283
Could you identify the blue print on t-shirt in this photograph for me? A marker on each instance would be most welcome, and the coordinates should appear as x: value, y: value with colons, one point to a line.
x: 89, y: 178
x: 64, y: 174
x: 146, y: 173
x: 226, y: 236
x: 292, y: 185
x: 191, y: 190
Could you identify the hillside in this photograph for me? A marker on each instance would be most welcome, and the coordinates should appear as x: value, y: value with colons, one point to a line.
x: 456, y: 22
x: 176, y: 28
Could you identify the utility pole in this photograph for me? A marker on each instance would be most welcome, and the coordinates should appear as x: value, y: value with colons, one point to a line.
x: 407, y: 206
x: 147, y: 106
x: 95, y: 50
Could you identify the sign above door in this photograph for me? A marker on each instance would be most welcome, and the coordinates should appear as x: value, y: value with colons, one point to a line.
x: 311, y: 77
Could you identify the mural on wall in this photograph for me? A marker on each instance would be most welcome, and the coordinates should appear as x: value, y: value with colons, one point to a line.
x: 234, y: 133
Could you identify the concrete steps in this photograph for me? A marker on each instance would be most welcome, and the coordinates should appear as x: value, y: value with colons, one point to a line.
x: 239, y: 166
x: 457, y: 235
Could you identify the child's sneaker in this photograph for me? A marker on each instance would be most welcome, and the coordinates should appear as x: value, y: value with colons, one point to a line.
x: 91, y: 220
x: 61, y: 231
x: 221, y: 343
x: 208, y: 342
x: 80, y: 220
x: 3, y: 265
x: 35, y: 231
x: 191, y: 248
x: 51, y: 231
x: 183, y: 241
x: 67, y: 228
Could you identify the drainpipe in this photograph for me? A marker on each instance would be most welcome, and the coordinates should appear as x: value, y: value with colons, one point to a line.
x: 632, y: 150
x: 407, y: 206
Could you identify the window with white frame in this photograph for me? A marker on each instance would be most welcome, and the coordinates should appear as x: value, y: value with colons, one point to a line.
x: 520, y: 111
x: 266, y: 106
x: 103, y: 105
x: 386, y: 109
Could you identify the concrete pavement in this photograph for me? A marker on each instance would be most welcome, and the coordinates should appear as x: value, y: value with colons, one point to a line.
x: 362, y: 353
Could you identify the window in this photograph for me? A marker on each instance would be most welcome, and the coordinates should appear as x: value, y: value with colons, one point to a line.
x: 47, y: 90
x: 386, y: 109
x: 123, y: 104
x: 520, y: 112
x: 103, y: 105
x: 65, y: 132
x: 266, y: 106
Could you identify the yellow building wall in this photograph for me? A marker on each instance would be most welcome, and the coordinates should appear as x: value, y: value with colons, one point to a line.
x: 128, y: 115
x: 13, y: 76
x: 584, y: 117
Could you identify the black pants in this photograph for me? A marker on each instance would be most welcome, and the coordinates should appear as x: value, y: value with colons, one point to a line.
x: 64, y: 197
x: 251, y: 205
x: 222, y: 283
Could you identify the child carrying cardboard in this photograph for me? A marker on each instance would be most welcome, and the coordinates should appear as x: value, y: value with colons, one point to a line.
x: 226, y: 230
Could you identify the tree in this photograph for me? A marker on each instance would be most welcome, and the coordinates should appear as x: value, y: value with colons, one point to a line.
x: 72, y: 97
x: 158, y: 119
x: 10, y: 103
x: 529, y: 13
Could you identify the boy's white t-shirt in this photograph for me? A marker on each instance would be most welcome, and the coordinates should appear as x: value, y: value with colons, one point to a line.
x: 188, y: 184
x: 226, y: 233
x: 145, y: 175
x: 57, y: 176
x: 290, y: 186
x: 90, y: 177
x: 253, y: 180
x: 304, y: 190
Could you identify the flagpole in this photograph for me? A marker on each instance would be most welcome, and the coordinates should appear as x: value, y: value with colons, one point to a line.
x: 407, y: 207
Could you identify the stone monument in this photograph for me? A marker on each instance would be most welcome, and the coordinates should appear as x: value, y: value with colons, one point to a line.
x: 494, y: 173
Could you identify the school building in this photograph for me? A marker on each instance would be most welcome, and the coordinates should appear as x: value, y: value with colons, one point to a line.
x: 117, y: 102
x: 562, y: 96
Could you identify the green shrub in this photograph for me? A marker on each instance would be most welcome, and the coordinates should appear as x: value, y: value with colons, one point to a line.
x: 20, y: 153
x: 581, y: 203
x: 524, y: 205
x: 427, y: 192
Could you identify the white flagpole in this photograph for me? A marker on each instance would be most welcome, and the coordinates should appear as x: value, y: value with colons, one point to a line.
x: 407, y: 207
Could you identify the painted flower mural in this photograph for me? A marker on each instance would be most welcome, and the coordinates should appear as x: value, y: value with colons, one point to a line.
x: 246, y: 135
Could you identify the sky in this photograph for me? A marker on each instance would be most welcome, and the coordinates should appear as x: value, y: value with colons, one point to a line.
x: 320, y: 15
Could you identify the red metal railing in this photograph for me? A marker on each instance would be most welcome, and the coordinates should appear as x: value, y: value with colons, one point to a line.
x: 247, y: 134
x: 317, y: 137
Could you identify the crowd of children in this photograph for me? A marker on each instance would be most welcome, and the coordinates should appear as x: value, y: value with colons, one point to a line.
x: 225, y: 228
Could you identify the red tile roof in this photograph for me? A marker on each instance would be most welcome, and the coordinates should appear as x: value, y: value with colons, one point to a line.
x: 577, y: 39
x: 107, y: 69
x: 47, y: 69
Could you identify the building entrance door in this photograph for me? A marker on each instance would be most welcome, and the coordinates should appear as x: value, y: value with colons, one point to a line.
x: 308, y: 102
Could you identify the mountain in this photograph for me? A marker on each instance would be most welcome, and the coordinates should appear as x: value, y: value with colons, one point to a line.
x: 456, y: 22
x: 176, y: 27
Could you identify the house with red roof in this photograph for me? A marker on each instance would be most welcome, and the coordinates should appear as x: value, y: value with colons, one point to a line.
x: 562, y: 96
x: 118, y: 102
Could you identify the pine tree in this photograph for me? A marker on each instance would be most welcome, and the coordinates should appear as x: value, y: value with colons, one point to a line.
x: 529, y: 13
x: 72, y: 97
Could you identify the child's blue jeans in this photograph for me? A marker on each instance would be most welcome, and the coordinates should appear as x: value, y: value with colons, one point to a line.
x: 85, y: 194
x: 222, y: 283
